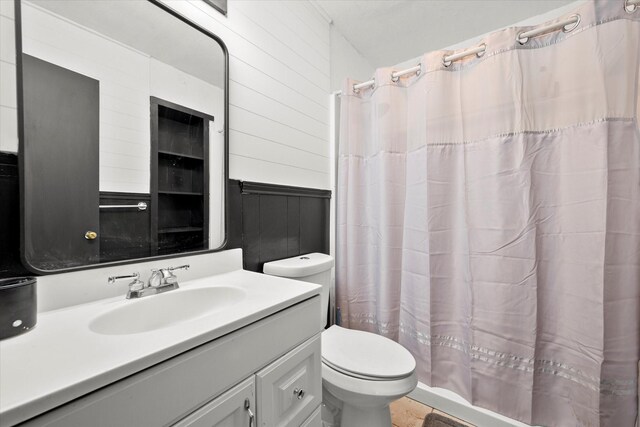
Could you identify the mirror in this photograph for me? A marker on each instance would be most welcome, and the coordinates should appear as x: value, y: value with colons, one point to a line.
x: 123, y: 148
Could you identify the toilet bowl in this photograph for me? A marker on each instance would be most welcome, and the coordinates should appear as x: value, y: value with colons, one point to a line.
x: 365, y: 372
x: 362, y: 373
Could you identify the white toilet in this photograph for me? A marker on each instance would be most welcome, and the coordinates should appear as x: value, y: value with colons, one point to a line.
x: 361, y: 372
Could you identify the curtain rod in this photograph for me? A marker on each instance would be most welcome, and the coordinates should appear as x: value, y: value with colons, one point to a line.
x: 394, y: 77
x: 567, y: 25
x: 446, y: 60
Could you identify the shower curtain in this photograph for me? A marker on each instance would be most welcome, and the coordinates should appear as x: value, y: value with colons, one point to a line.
x: 489, y: 219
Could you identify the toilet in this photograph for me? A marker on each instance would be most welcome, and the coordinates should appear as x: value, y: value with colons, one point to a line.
x: 362, y: 373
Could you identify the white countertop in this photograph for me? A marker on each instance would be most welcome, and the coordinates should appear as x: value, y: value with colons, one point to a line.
x: 61, y: 359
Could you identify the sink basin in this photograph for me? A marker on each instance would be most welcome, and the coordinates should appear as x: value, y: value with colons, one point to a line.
x: 163, y: 310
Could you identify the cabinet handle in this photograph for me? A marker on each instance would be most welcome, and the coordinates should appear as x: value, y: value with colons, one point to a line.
x: 247, y: 406
x: 299, y: 393
x: 90, y: 235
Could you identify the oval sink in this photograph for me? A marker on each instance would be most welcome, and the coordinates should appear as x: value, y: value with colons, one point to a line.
x: 160, y: 311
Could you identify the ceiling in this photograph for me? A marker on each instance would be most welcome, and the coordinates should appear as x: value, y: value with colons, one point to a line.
x: 388, y: 32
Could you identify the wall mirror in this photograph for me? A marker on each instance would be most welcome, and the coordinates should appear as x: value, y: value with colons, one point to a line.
x: 123, y: 147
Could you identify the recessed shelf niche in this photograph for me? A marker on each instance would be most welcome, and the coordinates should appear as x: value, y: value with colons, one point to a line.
x: 180, y: 177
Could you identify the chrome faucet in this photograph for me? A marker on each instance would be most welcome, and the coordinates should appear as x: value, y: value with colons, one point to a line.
x: 164, y: 277
x: 161, y: 280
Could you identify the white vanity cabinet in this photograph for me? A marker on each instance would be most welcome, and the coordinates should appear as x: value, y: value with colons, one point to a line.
x: 236, y: 407
x: 290, y: 389
x: 288, y: 393
x: 270, y: 368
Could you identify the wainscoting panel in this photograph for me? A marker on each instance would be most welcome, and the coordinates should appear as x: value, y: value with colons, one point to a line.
x: 10, y: 264
x: 314, y: 212
x: 281, y: 221
x: 293, y: 226
x: 250, y: 231
x: 267, y: 221
x: 125, y: 233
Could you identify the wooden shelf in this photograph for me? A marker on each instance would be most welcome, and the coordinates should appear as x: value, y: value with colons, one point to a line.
x: 179, y: 230
x: 180, y: 177
x: 183, y: 155
x: 181, y: 193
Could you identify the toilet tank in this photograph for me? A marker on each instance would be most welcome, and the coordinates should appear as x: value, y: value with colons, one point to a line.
x: 313, y: 268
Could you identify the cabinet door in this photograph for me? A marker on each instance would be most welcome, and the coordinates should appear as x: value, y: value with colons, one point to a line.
x: 228, y: 410
x: 314, y: 420
x: 290, y: 389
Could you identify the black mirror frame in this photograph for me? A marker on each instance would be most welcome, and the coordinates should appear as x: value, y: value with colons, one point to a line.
x: 19, y: 90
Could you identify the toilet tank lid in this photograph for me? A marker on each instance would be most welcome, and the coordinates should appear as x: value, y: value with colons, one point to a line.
x: 299, y: 266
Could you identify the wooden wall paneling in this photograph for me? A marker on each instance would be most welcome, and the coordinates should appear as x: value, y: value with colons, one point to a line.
x: 273, y: 228
x: 251, y: 232
x: 314, y: 221
x: 125, y: 233
x: 293, y: 226
x: 10, y: 265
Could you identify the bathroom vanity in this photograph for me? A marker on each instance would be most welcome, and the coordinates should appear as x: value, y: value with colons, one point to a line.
x: 249, y: 355
x: 229, y: 347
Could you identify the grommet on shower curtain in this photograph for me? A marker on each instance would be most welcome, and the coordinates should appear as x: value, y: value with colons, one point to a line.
x: 522, y: 40
x: 629, y: 7
x: 570, y: 27
x: 566, y: 26
x: 395, y: 75
x: 483, y: 51
x: 365, y: 85
x: 478, y: 51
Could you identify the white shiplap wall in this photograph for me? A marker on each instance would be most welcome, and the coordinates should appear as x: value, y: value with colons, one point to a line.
x: 128, y: 78
x: 280, y: 66
x: 8, y: 111
x: 279, y: 82
x: 123, y: 74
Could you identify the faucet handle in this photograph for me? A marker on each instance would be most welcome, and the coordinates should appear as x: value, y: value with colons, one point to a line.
x: 135, y: 285
x: 157, y: 277
x: 172, y: 279
x: 161, y: 277
x: 182, y: 267
x: 113, y: 279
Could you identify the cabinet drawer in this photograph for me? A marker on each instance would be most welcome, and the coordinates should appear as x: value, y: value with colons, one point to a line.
x: 227, y: 410
x: 290, y: 389
x: 314, y: 420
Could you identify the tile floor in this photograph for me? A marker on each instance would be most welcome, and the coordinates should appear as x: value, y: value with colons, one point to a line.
x: 407, y: 412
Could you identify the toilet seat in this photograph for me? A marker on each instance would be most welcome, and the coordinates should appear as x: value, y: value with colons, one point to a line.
x: 365, y: 355
x: 366, y: 392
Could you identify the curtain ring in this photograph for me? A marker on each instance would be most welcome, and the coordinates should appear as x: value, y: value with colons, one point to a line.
x: 483, y: 51
x: 394, y: 79
x: 571, y: 27
x: 630, y: 8
x: 445, y: 62
x: 420, y: 70
x: 522, y: 40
